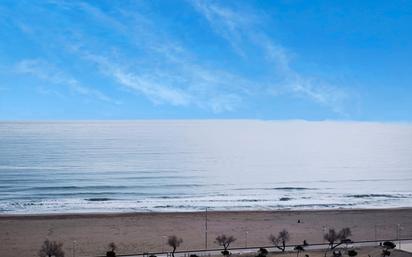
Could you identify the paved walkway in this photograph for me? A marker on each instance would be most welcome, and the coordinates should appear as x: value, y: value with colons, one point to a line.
x: 405, y: 245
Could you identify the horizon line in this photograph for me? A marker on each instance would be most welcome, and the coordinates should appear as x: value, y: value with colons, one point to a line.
x: 400, y: 122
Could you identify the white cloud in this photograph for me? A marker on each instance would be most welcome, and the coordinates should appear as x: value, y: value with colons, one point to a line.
x: 153, y: 90
x: 188, y: 85
x: 169, y: 73
x: 45, y: 71
x: 239, y: 28
x: 226, y: 22
x: 166, y: 71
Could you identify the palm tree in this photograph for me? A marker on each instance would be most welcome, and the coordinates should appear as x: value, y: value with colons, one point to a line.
x: 51, y: 249
x: 174, y: 242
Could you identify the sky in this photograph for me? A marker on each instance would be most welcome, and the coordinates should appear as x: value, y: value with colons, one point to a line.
x: 281, y: 60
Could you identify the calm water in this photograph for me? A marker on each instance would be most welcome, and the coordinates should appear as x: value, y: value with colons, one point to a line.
x: 189, y: 165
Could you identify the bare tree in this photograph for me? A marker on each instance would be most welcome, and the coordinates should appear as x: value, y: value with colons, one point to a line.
x: 174, y: 242
x: 344, y: 234
x: 331, y: 237
x: 337, y: 238
x: 299, y: 248
x: 51, y: 249
x: 112, y: 248
x: 282, y: 238
x: 225, y: 241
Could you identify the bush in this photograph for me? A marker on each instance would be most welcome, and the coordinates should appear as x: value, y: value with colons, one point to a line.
x: 226, y: 253
x: 51, y: 248
x: 352, y: 253
x: 112, y: 248
x: 110, y: 254
x: 385, y: 253
x: 389, y: 245
x: 262, y: 252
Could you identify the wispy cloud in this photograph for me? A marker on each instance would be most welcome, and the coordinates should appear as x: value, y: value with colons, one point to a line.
x: 143, y: 84
x: 226, y: 22
x: 48, y: 72
x: 169, y: 73
x: 165, y: 69
x: 240, y: 28
x: 183, y: 86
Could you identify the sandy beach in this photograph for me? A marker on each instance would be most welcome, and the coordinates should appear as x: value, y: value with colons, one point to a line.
x: 22, y: 235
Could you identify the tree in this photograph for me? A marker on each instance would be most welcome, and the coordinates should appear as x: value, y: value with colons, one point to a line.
x: 225, y: 241
x: 299, y: 248
x: 331, y: 237
x: 282, y: 237
x: 174, y: 242
x: 51, y: 249
x: 112, y: 248
x: 339, y: 238
x: 344, y: 233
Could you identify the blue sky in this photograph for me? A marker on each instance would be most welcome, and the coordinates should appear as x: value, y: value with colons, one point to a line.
x: 313, y: 60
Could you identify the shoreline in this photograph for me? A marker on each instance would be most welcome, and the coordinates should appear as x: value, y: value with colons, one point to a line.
x: 130, y: 214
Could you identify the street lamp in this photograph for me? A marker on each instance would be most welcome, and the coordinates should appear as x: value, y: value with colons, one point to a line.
x: 163, y: 243
x: 246, y: 232
x: 206, y: 229
x: 399, y: 228
x: 74, y: 248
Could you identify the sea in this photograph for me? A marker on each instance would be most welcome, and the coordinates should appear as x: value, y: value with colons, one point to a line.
x: 191, y: 165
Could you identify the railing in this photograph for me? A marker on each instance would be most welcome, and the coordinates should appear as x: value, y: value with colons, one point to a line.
x: 238, y: 250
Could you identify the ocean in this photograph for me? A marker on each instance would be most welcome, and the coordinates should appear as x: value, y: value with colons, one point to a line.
x: 145, y: 166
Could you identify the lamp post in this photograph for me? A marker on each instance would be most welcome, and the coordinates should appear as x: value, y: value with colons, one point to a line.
x: 206, y: 229
x: 163, y: 243
x: 246, y: 232
x: 399, y: 228
x: 74, y: 248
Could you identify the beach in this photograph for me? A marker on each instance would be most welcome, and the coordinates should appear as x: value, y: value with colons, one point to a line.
x: 22, y: 235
